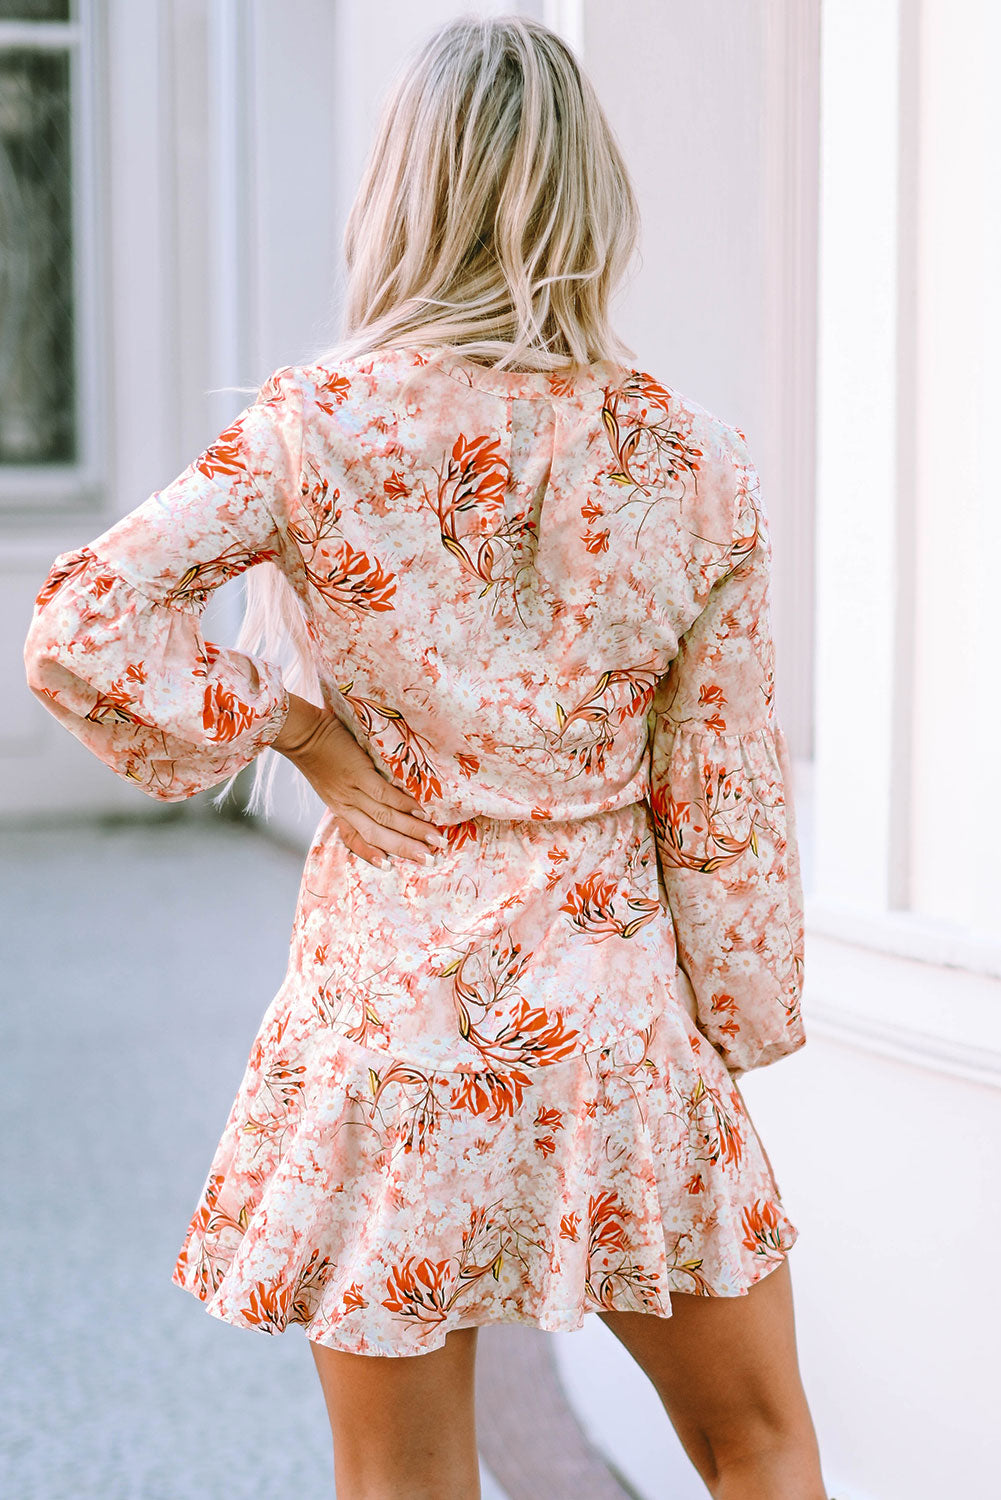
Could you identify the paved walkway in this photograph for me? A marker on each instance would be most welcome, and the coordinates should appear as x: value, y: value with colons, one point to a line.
x: 138, y: 962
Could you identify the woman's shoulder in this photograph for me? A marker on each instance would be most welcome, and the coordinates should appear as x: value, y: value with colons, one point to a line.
x: 332, y: 380
x: 629, y: 396
x: 655, y: 401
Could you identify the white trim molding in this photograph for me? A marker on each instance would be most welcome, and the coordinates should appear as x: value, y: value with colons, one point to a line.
x: 945, y: 1019
x: 566, y: 17
x: 904, y: 934
x: 789, y: 155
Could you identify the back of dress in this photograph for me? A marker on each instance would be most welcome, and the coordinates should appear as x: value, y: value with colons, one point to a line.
x: 543, y: 607
x: 536, y: 602
x: 498, y: 569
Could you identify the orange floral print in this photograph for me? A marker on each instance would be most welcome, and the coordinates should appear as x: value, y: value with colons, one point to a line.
x: 472, y: 482
x: 591, y: 904
x: 341, y: 574
x: 542, y: 603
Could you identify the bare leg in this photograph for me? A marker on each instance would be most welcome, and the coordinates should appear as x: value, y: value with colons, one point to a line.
x: 403, y: 1427
x: 727, y: 1371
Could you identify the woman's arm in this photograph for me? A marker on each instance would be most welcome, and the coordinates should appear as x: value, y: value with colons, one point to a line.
x: 722, y: 800
x: 115, y: 648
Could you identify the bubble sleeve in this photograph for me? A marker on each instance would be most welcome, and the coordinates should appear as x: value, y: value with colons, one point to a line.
x: 723, y: 812
x: 115, y: 649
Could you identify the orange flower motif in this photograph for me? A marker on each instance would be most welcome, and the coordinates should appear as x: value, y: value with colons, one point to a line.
x: 549, y: 1119
x: 763, y: 1235
x: 71, y: 565
x: 101, y: 585
x: 720, y: 1132
x: 499, y: 1093
x: 336, y: 388
x: 606, y: 1224
x: 481, y: 472
x: 569, y: 1225
x: 354, y: 1298
x: 224, y: 715
x: 116, y: 706
x: 223, y: 459
x: 417, y: 1289
x: 596, y: 541
x: 591, y: 905
x: 268, y: 1306
x: 206, y: 659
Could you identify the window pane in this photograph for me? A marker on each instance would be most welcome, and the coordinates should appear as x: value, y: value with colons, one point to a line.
x: 35, y: 10
x: 37, y: 382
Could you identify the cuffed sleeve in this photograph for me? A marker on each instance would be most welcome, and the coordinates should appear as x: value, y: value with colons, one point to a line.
x: 115, y: 649
x: 722, y: 802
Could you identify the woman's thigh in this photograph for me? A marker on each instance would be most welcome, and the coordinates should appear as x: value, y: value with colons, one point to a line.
x: 725, y: 1368
x: 404, y: 1424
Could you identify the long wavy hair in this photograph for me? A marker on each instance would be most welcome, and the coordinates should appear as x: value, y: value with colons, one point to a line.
x: 494, y: 219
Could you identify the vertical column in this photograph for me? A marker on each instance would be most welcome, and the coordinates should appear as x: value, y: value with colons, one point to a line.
x: 141, y: 287
x: 231, y: 162
x: 856, y: 546
x: 956, y: 517
x: 786, y: 452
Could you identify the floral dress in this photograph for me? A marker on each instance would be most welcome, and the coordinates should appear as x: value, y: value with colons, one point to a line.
x: 486, y: 1090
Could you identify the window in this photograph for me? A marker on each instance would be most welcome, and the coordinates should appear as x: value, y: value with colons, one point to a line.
x: 44, y: 250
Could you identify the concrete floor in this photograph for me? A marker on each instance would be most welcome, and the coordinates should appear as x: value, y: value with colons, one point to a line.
x: 138, y: 962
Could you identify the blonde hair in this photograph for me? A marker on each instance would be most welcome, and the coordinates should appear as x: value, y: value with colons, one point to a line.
x: 495, y: 218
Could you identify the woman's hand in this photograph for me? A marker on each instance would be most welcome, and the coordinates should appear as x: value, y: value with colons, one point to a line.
x: 374, y: 817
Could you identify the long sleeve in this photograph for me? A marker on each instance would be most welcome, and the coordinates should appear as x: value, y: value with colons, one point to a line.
x: 115, y: 649
x: 722, y: 803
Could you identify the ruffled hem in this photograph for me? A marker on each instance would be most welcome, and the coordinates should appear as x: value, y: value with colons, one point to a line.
x: 387, y: 1206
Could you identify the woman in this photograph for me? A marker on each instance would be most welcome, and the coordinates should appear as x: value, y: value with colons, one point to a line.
x: 552, y: 909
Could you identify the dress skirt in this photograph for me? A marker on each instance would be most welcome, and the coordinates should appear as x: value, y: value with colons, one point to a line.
x: 480, y: 1096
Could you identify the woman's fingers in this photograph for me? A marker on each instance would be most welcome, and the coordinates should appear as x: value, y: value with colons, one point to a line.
x: 391, y: 828
x: 412, y: 828
x: 384, y: 793
x: 380, y: 826
x: 396, y: 797
x: 352, y: 839
x: 386, y: 831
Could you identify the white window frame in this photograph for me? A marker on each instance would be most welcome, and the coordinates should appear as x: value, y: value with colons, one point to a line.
x: 38, y: 490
